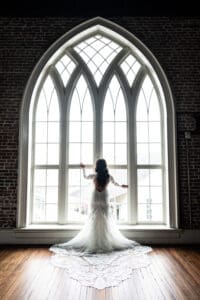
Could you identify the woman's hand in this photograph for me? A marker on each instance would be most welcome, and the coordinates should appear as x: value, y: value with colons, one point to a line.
x: 82, y: 165
x: 124, y: 186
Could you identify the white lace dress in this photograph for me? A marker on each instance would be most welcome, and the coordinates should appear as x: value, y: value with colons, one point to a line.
x: 99, y: 255
x: 100, y: 232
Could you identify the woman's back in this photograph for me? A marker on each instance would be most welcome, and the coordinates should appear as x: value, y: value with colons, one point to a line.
x: 100, y: 187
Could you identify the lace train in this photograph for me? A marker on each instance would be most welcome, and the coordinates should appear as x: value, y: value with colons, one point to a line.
x: 100, y: 255
x: 101, y: 270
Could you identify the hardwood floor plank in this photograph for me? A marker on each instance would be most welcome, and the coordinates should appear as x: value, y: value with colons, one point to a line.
x: 27, y: 273
x: 181, y: 278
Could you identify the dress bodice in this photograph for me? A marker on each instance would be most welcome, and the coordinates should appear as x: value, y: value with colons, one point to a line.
x: 99, y: 201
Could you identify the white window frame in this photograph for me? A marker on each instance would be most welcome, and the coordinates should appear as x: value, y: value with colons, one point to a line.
x: 150, y: 66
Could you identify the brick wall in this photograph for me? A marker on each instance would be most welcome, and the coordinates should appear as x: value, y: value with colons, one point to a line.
x: 175, y: 42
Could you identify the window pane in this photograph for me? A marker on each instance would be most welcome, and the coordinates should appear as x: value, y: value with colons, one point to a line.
x: 48, y: 89
x: 87, y: 182
x: 40, y: 132
x: 156, y: 177
x: 75, y: 108
x: 142, y: 132
x: 74, y: 177
x: 85, y: 198
x: 74, y: 153
x: 87, y: 132
x: 87, y: 110
x: 154, y: 109
x: 74, y: 132
x: 141, y: 108
x: 87, y: 153
x: 142, y: 213
x: 114, y: 90
x: 108, y: 110
x: 81, y: 89
x: 120, y: 132
x: 142, y: 154
x: 52, y: 195
x: 150, y: 198
x: 145, y: 211
x: 40, y: 154
x: 143, y: 194
x: 53, y: 114
x: 39, y: 195
x: 147, y: 89
x: 75, y: 193
x: 53, y: 132
x: 143, y: 177
x: 157, y: 212
x: 51, y: 212
x: 40, y: 177
x: 108, y: 153
x: 154, y: 132
x: 156, y: 194
x: 74, y: 212
x: 120, y: 111
x: 39, y: 211
x: 53, y: 154
x: 155, y: 153
x: 118, y: 195
x: 41, y: 111
x: 52, y: 177
x: 120, y: 154
x: 108, y: 132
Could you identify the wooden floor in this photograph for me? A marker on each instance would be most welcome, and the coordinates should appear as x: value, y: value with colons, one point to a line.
x: 26, y: 273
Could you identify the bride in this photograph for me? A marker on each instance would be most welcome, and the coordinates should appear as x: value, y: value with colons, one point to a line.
x: 100, y: 233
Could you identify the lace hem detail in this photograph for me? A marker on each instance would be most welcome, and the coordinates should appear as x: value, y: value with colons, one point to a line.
x: 101, y: 270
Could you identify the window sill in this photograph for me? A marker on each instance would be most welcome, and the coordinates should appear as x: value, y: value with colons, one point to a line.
x: 55, y: 227
x: 62, y: 233
x: 53, y: 234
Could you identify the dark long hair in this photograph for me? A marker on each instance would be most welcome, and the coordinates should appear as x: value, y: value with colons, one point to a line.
x: 102, y: 172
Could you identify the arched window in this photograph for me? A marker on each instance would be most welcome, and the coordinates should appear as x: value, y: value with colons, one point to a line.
x: 115, y: 145
x: 81, y: 149
x: 100, y: 94
x: 45, y: 155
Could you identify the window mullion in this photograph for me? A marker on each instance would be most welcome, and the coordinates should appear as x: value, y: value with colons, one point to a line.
x: 62, y: 189
x: 132, y: 172
x: 132, y: 102
x: 98, y: 126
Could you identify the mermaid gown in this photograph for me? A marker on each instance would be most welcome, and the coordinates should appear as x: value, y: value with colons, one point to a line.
x: 100, y: 232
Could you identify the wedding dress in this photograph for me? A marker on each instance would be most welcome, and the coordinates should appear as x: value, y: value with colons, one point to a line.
x: 100, y: 232
x: 100, y: 243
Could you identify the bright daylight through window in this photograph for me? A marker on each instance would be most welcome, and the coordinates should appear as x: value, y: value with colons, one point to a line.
x: 98, y: 98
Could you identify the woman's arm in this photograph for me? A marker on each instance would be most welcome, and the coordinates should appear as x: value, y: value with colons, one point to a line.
x: 117, y: 184
x: 91, y: 176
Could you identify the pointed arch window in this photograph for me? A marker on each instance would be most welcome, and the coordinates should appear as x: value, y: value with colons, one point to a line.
x: 150, y: 166
x: 45, y: 165
x: 81, y: 147
x: 98, y: 96
x: 115, y: 145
